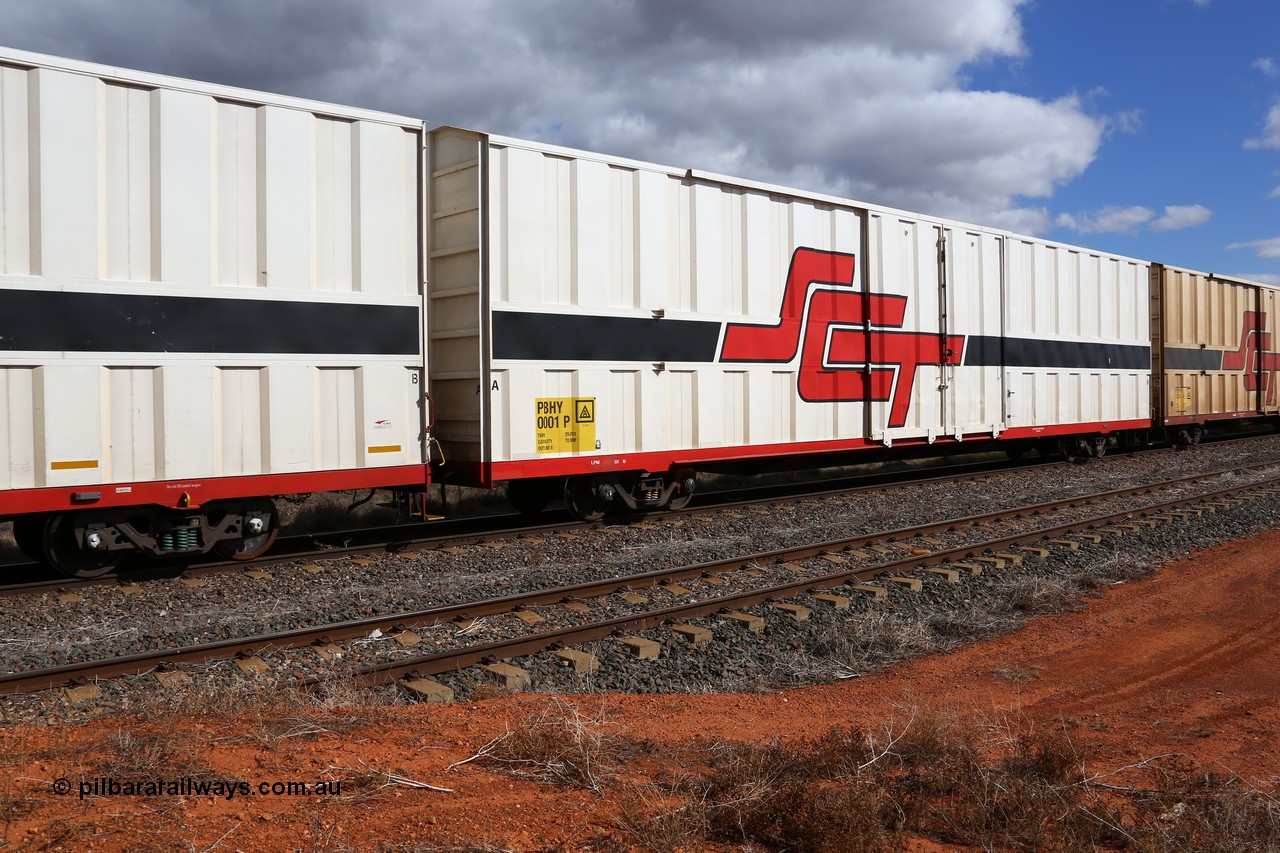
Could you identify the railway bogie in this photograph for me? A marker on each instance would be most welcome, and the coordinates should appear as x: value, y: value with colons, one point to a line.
x: 88, y: 543
x: 592, y: 496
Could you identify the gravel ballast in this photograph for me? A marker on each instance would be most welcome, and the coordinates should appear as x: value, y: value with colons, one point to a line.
x: 42, y: 631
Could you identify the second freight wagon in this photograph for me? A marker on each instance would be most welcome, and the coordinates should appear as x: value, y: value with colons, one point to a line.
x: 603, y: 328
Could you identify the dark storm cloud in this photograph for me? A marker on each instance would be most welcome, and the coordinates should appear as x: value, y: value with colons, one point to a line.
x: 287, y: 46
x: 862, y: 98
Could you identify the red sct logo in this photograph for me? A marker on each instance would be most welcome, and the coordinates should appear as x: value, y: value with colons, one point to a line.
x: 852, y: 345
x: 1255, y: 358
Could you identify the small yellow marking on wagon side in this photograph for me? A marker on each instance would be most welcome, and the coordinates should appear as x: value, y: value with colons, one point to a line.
x: 73, y: 465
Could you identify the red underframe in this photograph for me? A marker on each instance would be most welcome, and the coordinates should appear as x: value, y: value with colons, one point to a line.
x: 200, y: 491
x: 663, y: 460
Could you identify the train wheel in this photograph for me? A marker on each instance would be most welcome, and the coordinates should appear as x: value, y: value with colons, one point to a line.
x: 1076, y: 450
x: 582, y: 494
x: 62, y: 550
x: 262, y: 525
x: 680, y: 500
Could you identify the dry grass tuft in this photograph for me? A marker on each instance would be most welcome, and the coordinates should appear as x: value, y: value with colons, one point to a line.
x: 158, y: 752
x: 1205, y: 812
x: 1036, y: 595
x: 561, y: 745
x: 792, y: 797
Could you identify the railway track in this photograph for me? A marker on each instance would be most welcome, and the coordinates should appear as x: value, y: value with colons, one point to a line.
x: 945, y: 551
x: 343, y: 544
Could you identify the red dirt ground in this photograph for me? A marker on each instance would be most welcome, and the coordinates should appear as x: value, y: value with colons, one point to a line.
x: 1185, y: 661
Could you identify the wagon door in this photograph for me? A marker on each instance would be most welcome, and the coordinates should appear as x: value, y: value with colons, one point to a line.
x: 972, y: 379
x: 906, y: 336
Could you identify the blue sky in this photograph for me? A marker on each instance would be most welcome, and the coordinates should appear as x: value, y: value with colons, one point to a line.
x: 1145, y: 127
x: 1195, y: 83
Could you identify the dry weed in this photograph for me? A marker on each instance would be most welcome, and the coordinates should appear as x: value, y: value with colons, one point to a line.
x: 561, y: 745
x: 655, y: 820
x: 1035, y: 595
x: 1205, y: 812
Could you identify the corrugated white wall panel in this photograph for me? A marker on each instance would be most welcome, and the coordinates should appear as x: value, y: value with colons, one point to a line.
x: 15, y: 173
x: 130, y: 399
x: 654, y: 243
x: 186, y: 429
x: 236, y: 195
x: 285, y: 139
x: 975, y: 394
x: 126, y: 208
x: 67, y: 408
x: 18, y: 468
x: 336, y: 415
x: 182, y: 166
x: 335, y: 228
x: 289, y: 392
x: 593, y: 275
x: 240, y: 400
x: 104, y: 180
x: 386, y: 158
x: 386, y: 418
x: 65, y: 171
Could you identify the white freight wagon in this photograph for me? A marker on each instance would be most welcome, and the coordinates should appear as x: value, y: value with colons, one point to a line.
x: 206, y: 295
x: 603, y: 328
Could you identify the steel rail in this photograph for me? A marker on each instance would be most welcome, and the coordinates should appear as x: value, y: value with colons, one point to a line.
x: 224, y: 649
x: 448, y: 661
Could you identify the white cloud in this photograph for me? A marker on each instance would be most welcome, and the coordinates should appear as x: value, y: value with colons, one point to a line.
x: 1179, y: 216
x: 1275, y: 193
x: 1270, y: 134
x: 1107, y: 220
x: 873, y: 104
x: 1131, y: 220
x: 1262, y: 277
x: 1266, y: 65
x: 1263, y: 249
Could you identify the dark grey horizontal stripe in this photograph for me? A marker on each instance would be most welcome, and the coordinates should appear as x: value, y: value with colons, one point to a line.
x: 1177, y: 358
x: 32, y: 320
x: 575, y: 337
x: 985, y: 351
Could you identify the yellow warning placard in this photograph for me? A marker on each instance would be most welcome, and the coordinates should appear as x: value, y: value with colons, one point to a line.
x: 565, y: 424
x: 1181, y: 400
